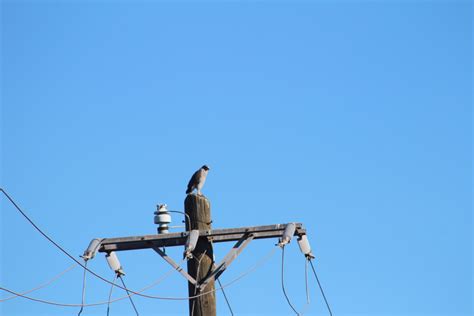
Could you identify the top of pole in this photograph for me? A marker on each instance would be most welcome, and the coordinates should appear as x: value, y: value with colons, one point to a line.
x: 198, y: 207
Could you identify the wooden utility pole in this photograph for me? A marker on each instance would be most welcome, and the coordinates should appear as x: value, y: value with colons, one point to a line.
x: 200, y: 266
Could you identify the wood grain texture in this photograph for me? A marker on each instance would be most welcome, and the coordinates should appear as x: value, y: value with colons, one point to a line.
x: 199, y: 210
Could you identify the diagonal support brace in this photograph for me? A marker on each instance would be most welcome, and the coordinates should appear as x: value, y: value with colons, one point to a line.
x: 174, y: 265
x: 225, y: 263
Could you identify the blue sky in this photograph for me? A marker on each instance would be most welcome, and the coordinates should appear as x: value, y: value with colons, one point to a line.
x: 353, y: 118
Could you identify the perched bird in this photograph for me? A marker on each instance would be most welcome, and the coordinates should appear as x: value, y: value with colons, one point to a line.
x: 197, y: 180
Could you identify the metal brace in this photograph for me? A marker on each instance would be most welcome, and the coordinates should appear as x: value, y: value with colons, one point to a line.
x: 225, y: 263
x: 175, y: 265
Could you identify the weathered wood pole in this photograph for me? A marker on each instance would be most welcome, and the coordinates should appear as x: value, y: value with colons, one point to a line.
x: 199, y: 210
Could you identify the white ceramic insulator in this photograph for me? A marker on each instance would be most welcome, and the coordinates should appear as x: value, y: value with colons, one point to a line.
x: 113, y: 261
x: 304, y: 245
x: 163, y: 218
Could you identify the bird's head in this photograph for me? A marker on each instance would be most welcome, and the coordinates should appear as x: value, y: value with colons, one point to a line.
x: 205, y: 167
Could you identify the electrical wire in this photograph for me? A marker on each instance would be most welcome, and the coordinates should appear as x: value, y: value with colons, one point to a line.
x: 306, y: 280
x: 306, y: 306
x: 64, y: 251
x: 223, y: 292
x: 129, y: 296
x: 186, y: 215
x: 320, y: 287
x: 44, y: 284
x: 91, y: 304
x: 225, y: 297
x: 242, y: 275
x: 282, y: 280
x: 53, y: 242
x: 189, y: 218
x: 110, y: 295
x: 83, y: 289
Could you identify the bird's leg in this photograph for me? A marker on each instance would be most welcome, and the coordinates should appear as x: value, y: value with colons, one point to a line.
x: 199, y: 192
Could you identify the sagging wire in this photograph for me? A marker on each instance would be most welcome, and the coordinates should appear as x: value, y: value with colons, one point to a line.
x: 320, y: 287
x: 223, y: 292
x: 110, y: 295
x: 306, y: 280
x: 53, y: 242
x: 308, y: 302
x: 129, y: 296
x: 83, y: 289
x: 242, y: 275
x: 57, y: 276
x: 225, y: 297
x: 283, y: 282
x: 90, y: 304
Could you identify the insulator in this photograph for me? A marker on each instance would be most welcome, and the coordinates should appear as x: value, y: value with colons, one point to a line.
x: 163, y: 229
x: 162, y: 218
x: 191, y: 242
x: 114, y: 262
x: 287, y: 234
x: 305, y: 246
x: 92, y: 249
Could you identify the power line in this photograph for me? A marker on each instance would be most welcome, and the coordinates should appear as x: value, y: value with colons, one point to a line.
x: 282, y: 280
x: 225, y: 297
x: 91, y: 304
x: 306, y: 280
x: 130, y: 297
x: 320, y: 287
x: 83, y: 290
x: 53, y: 242
x: 110, y: 295
x: 57, y: 276
x: 242, y: 275
x: 306, y: 306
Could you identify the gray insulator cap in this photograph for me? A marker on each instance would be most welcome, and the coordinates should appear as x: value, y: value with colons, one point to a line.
x: 287, y: 234
x: 92, y: 249
x: 191, y: 243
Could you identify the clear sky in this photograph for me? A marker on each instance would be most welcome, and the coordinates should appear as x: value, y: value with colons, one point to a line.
x: 353, y: 118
